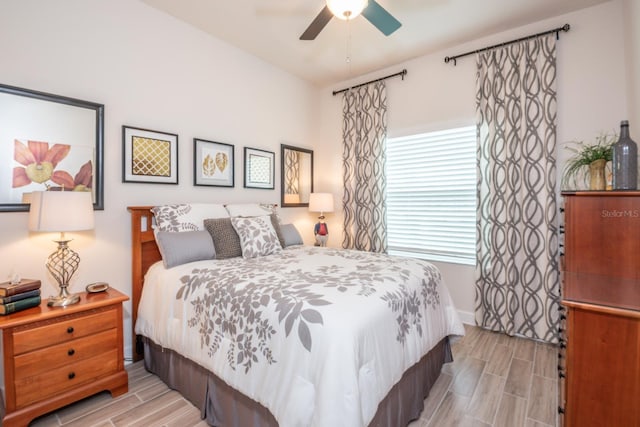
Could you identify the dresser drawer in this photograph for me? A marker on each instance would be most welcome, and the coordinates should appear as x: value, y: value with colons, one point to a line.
x: 67, y: 328
x: 43, y: 386
x: 29, y: 364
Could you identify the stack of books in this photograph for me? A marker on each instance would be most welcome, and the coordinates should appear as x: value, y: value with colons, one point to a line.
x: 19, y: 296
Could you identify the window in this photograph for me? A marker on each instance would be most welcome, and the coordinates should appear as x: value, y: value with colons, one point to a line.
x: 431, y: 195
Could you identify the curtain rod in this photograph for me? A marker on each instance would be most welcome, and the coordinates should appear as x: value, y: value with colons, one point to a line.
x: 401, y: 73
x: 564, y: 28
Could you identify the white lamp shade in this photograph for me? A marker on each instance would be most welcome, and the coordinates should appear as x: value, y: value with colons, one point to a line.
x: 321, y: 202
x: 346, y: 9
x: 61, y: 211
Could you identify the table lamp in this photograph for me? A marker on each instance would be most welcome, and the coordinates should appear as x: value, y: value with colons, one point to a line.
x: 61, y: 211
x: 321, y: 202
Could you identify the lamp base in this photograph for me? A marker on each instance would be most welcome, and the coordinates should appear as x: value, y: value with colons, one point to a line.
x: 63, y: 300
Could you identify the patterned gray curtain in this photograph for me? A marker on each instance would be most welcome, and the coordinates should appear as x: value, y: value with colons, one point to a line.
x: 364, y: 132
x: 517, y: 276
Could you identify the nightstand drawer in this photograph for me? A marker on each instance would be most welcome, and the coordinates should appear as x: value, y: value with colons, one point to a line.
x: 29, y: 364
x: 67, y: 328
x: 47, y: 384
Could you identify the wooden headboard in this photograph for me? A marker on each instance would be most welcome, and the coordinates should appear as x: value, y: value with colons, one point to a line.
x: 144, y: 253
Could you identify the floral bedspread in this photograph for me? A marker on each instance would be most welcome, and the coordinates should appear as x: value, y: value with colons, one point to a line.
x: 319, y: 336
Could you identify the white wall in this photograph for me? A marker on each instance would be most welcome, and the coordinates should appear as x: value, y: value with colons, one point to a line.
x: 591, y: 87
x: 150, y: 71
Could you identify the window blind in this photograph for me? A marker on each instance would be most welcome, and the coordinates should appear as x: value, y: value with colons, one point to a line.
x: 431, y: 195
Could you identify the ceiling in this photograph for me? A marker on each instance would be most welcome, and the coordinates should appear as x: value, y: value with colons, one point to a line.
x: 270, y: 30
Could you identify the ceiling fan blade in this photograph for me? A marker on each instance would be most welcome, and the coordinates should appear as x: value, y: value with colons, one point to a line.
x: 379, y: 17
x: 317, y: 25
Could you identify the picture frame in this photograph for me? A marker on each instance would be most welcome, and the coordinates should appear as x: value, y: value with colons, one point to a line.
x: 213, y: 163
x: 149, y: 156
x: 65, y: 133
x: 259, y: 169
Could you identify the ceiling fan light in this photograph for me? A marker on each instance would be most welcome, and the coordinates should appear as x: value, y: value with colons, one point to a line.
x: 346, y: 9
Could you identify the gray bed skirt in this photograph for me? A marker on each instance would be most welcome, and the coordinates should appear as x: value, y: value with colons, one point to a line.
x: 223, y: 406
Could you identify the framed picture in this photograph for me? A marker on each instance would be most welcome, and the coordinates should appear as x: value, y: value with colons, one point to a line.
x: 259, y: 170
x: 213, y: 163
x: 149, y: 156
x: 48, y: 142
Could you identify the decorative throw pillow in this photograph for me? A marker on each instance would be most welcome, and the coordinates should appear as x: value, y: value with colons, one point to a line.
x: 257, y: 236
x: 275, y: 222
x: 225, y: 238
x: 186, y: 217
x: 290, y: 235
x: 183, y: 247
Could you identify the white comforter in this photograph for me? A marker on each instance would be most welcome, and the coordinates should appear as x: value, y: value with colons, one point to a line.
x: 318, y: 336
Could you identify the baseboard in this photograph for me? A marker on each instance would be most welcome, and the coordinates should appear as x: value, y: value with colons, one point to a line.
x: 467, y: 317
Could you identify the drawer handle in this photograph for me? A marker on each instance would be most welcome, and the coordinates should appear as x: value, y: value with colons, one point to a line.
x: 72, y: 375
x: 71, y: 352
x: 70, y: 330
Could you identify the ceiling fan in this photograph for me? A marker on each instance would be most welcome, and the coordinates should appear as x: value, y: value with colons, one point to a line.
x: 349, y: 9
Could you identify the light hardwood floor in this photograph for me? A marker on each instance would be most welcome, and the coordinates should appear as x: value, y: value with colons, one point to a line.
x: 494, y: 380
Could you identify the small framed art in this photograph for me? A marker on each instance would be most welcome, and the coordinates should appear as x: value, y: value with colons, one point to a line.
x: 259, y: 169
x: 213, y: 163
x: 149, y: 156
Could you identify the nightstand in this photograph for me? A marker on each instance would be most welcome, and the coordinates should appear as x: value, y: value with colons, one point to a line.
x: 54, y: 356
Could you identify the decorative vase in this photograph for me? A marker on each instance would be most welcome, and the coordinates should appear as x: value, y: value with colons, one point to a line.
x: 596, y: 175
x: 625, y: 160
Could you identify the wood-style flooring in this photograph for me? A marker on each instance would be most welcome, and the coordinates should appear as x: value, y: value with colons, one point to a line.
x: 494, y: 380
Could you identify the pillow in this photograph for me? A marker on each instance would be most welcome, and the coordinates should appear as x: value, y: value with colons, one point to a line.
x: 290, y: 235
x: 249, y: 209
x: 257, y: 236
x: 186, y: 217
x: 183, y: 247
x: 224, y: 236
x: 275, y: 222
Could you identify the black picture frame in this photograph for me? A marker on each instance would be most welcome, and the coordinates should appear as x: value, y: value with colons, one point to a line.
x: 259, y: 168
x: 29, y: 118
x: 149, y: 156
x: 213, y: 163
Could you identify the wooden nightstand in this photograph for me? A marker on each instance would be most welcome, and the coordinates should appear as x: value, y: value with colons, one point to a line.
x: 54, y: 356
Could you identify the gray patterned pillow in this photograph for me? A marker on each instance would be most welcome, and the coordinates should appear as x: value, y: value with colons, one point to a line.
x: 225, y: 238
x: 257, y: 236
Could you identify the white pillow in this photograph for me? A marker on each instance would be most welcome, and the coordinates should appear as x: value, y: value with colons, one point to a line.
x: 186, y: 217
x: 249, y: 209
x: 257, y: 236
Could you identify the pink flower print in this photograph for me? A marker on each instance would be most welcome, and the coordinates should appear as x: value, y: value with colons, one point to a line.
x: 38, y: 160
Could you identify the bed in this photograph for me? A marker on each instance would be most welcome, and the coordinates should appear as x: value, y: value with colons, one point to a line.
x: 304, y: 336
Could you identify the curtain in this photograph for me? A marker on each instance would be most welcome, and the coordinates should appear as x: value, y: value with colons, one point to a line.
x: 517, y: 274
x: 364, y: 132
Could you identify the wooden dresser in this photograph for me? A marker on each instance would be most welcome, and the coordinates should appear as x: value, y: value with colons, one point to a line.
x: 600, y: 348
x: 54, y: 356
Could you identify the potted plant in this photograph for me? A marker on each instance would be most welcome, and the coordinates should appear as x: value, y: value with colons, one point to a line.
x: 589, y: 160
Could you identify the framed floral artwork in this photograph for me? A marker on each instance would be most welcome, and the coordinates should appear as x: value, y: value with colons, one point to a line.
x: 48, y: 142
x: 213, y: 163
x: 149, y: 156
x: 259, y: 169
